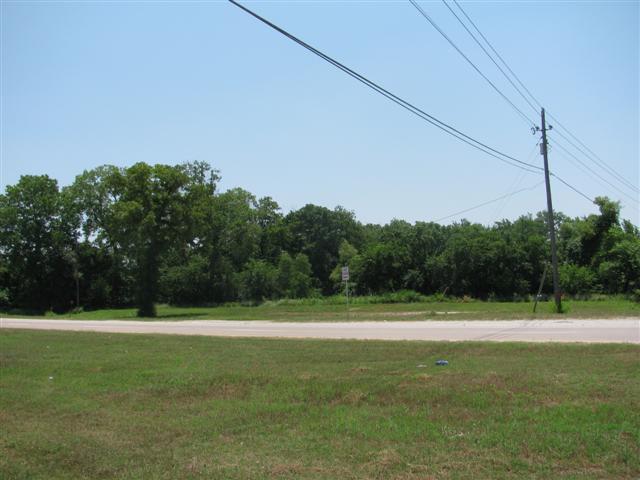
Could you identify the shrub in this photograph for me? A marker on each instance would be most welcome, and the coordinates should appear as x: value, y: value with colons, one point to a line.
x: 576, y: 280
x: 257, y: 282
x: 4, y: 297
x: 294, y: 276
x: 185, y: 284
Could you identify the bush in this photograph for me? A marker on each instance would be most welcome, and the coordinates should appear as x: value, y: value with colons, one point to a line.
x: 257, y: 282
x: 576, y: 280
x: 402, y: 296
x: 185, y: 284
x: 437, y: 297
x: 294, y: 276
x: 4, y: 297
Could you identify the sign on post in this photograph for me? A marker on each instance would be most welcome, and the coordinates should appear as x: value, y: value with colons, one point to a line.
x: 345, y: 279
x: 345, y: 274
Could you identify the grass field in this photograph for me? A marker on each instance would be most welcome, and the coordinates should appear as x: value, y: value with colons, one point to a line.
x: 88, y: 405
x: 309, y: 312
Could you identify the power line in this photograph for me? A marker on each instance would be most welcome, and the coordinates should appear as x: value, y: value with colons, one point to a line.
x: 512, y: 188
x: 572, y: 187
x: 424, y: 14
x: 593, y: 158
x: 488, y: 202
x: 515, y: 184
x: 497, y: 54
x: 594, y: 173
x: 411, y: 108
x: 446, y: 37
x: 489, y: 55
x: 602, y: 165
x: 403, y: 103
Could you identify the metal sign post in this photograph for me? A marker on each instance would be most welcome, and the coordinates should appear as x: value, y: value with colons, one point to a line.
x: 345, y: 278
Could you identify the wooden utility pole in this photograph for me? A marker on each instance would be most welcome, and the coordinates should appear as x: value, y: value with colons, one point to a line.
x: 550, y: 221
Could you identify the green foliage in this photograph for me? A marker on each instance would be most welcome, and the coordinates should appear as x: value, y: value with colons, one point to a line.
x: 35, y: 234
x: 388, y: 298
x: 139, y: 213
x: 258, y: 281
x: 294, y: 276
x: 318, y: 233
x: 576, y: 280
x: 185, y: 284
x: 347, y: 257
x: 401, y: 296
x: 565, y: 307
x: 4, y: 297
x: 149, y: 233
x: 619, y: 268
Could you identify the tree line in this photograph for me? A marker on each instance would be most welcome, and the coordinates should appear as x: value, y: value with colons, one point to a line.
x: 157, y: 233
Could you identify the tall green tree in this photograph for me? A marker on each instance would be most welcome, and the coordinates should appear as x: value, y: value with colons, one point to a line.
x: 318, y: 232
x: 35, y: 236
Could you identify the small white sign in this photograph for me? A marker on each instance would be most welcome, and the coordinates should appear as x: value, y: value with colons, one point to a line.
x: 345, y: 274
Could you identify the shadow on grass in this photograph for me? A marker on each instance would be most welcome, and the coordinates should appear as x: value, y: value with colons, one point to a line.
x: 176, y: 315
x: 28, y: 312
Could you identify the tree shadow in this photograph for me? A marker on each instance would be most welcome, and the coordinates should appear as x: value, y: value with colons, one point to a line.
x: 179, y: 315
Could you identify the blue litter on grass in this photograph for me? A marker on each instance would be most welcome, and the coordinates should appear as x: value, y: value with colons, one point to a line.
x: 441, y: 363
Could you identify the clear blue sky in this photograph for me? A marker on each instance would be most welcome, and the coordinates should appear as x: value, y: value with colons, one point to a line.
x: 90, y: 83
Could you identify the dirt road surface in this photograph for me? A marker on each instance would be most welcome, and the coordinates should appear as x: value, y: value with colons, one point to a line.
x: 566, y: 330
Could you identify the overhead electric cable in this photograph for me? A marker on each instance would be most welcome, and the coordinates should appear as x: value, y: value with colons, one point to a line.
x: 464, y: 25
x: 572, y: 187
x: 520, y: 176
x: 593, y: 158
x: 603, y: 166
x: 589, y: 169
x: 408, y: 106
x: 488, y: 202
x: 498, y: 55
x: 403, y: 103
x: 446, y: 37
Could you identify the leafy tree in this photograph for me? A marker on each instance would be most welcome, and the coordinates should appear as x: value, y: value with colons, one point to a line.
x: 318, y: 232
x: 258, y: 281
x: 381, y: 268
x: 272, y: 229
x: 619, y: 271
x: 186, y: 283
x: 123, y: 236
x: 294, y: 276
x: 347, y: 257
x: 33, y: 242
x: 107, y: 272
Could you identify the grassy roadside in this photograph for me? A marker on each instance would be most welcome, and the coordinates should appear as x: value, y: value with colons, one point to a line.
x: 87, y: 405
x: 446, y: 310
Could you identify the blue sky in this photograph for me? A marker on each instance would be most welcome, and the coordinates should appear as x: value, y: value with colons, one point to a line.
x: 91, y: 83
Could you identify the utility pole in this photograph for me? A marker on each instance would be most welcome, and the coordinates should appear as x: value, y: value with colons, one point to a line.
x: 552, y: 228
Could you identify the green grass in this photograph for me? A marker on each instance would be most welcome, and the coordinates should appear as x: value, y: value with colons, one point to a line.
x: 87, y: 405
x: 298, y: 311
